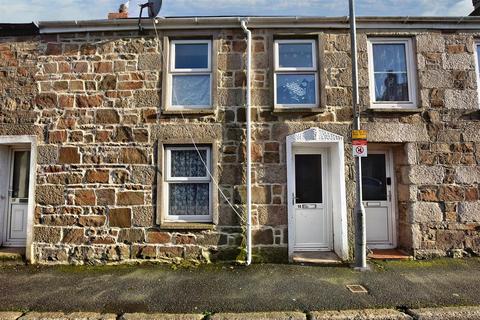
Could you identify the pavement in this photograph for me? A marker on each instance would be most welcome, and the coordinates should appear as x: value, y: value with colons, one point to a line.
x: 234, y: 292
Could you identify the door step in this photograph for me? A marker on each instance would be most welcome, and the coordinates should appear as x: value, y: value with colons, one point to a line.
x: 12, y: 256
x: 318, y: 257
x: 389, y: 254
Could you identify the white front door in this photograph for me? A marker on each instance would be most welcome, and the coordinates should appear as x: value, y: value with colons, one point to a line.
x: 377, y: 181
x: 313, y: 230
x: 15, y: 219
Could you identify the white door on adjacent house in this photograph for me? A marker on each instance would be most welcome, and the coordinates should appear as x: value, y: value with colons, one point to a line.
x: 377, y: 181
x: 17, y: 208
x: 313, y: 231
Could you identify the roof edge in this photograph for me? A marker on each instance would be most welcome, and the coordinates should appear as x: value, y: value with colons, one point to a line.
x: 464, y: 22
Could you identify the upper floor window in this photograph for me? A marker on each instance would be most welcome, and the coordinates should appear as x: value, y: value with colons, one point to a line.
x: 392, y: 77
x: 190, y: 74
x: 296, y: 74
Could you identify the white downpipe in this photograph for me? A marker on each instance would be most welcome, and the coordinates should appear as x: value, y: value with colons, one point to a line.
x: 249, y: 144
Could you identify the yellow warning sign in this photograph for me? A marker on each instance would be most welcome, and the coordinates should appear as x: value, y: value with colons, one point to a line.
x: 359, y: 135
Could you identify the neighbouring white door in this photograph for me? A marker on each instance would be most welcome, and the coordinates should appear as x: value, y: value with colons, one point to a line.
x: 17, y: 209
x: 377, y: 181
x: 313, y: 230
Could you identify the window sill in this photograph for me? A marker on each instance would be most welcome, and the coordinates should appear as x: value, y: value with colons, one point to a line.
x: 189, y: 112
x: 297, y: 110
x: 395, y: 110
x: 170, y: 225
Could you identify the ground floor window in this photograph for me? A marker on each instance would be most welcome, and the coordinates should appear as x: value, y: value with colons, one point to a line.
x: 188, y: 190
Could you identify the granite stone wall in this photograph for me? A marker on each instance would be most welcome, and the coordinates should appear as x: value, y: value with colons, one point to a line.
x: 94, y: 101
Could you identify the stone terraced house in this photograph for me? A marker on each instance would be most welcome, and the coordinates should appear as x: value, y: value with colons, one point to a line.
x: 120, y: 146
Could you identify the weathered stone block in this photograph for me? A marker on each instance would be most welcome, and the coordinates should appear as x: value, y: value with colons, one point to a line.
x: 130, y: 198
x: 47, y: 154
x: 131, y: 236
x: 461, y: 99
x: 469, y: 211
x: 425, y: 212
x: 430, y: 43
x: 264, y: 237
x: 143, y: 216
x: 133, y: 156
x: 158, y: 237
x: 74, y: 236
x: 46, y: 234
x: 467, y: 174
x: 68, y: 155
x: 97, y: 176
x: 150, y: 61
x: 85, y: 197
x: 396, y: 132
x: 50, y: 195
x: 423, y: 175
x: 120, y: 218
x: 107, y: 116
x: 92, y: 221
x: 105, y: 197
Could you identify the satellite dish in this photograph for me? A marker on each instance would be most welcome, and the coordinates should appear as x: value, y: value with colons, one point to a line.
x: 154, y: 7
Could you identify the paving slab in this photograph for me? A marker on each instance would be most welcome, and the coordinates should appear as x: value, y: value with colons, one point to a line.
x: 69, y: 316
x: 260, y: 316
x: 449, y: 313
x: 160, y: 316
x: 10, y: 315
x: 371, y: 314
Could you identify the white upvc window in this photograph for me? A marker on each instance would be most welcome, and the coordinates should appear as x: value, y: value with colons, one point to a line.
x: 188, y: 184
x: 296, y: 74
x: 477, y: 65
x: 190, y: 74
x: 393, y: 83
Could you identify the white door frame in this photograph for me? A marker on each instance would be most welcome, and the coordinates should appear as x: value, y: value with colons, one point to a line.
x: 321, y: 139
x: 30, y: 142
x: 7, y: 212
x: 326, y: 179
x: 391, y: 194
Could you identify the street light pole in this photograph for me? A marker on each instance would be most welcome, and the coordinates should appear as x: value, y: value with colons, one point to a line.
x: 359, y: 211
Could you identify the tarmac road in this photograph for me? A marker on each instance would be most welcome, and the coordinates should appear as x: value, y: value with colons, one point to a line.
x: 222, y: 288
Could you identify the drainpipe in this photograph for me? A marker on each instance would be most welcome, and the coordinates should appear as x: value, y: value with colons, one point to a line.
x: 249, y: 144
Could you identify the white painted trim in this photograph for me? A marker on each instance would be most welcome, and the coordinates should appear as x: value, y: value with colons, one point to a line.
x: 477, y: 69
x: 411, y: 75
x: 168, y: 180
x: 321, y: 139
x: 172, y: 71
x: 296, y: 71
x: 32, y: 141
x: 313, y: 44
x: 173, y: 45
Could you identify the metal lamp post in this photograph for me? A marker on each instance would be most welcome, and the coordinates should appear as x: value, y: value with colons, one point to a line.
x: 359, y: 211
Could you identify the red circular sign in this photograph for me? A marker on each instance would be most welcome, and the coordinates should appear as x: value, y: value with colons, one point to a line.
x: 360, y: 150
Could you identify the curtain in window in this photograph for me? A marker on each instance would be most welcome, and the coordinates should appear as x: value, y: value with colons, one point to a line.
x: 189, y: 199
x: 187, y: 163
x: 391, y: 77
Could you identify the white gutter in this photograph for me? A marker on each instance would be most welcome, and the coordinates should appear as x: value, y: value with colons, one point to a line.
x: 249, y: 143
x: 178, y: 23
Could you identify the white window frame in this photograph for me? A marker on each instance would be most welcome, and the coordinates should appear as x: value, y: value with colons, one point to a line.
x: 411, y: 75
x: 173, y: 71
x: 293, y: 70
x: 172, y: 180
x: 477, y: 69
